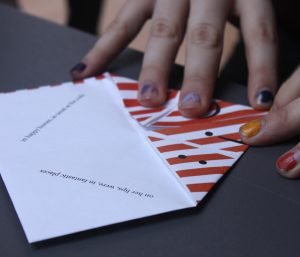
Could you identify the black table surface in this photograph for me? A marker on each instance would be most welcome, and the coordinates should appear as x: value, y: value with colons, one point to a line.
x: 252, y: 212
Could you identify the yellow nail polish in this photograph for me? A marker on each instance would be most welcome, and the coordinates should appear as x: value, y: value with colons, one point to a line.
x: 251, y: 128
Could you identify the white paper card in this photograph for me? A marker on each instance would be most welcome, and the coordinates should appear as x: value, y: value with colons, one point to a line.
x: 72, y: 159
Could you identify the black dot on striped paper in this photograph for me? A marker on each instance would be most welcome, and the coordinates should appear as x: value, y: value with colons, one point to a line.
x: 209, y: 133
x: 181, y: 156
x: 202, y: 162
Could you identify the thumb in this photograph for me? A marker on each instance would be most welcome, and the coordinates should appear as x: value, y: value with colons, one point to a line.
x: 279, y: 125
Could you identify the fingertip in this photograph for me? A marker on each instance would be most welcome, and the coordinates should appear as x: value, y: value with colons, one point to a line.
x: 191, y: 105
x: 77, y: 70
x: 151, y: 95
x: 288, y: 164
x: 263, y: 99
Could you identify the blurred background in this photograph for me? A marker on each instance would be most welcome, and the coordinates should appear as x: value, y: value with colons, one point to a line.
x: 93, y: 16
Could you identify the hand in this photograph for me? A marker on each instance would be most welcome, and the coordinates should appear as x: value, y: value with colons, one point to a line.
x: 283, y: 122
x: 203, y: 23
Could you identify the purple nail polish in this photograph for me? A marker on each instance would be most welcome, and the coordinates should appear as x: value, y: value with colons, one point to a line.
x: 190, y: 99
x: 78, y: 68
x: 149, y: 91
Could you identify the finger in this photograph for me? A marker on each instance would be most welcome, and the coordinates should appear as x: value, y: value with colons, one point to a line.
x: 278, y: 125
x: 288, y: 92
x: 204, y: 48
x: 168, y: 25
x: 288, y: 164
x: 258, y: 28
x: 120, y: 32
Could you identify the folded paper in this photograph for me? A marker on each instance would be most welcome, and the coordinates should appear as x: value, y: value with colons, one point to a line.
x: 83, y: 155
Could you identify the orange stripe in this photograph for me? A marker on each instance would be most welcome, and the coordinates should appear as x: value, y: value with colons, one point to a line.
x: 234, y: 136
x: 153, y: 139
x: 195, y: 158
x: 223, y: 104
x: 239, y: 148
x: 204, y: 126
x: 179, y: 123
x: 175, y: 113
x: 142, y: 119
x: 231, y: 116
x: 216, y: 139
x: 175, y: 147
x: 128, y: 86
x: 203, y: 187
x: 172, y: 94
x: 131, y: 102
x: 78, y: 81
x: 202, y: 171
x: 234, y: 114
x: 99, y: 77
x: 207, y: 140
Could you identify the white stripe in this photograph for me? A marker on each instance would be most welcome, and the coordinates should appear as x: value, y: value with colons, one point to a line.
x: 174, y: 119
x: 194, y: 135
x: 198, y: 151
x: 128, y: 94
x: 198, y: 196
x: 223, y: 145
x: 233, y: 108
x: 201, y: 133
x: 137, y: 116
x: 136, y: 108
x: 118, y: 79
x: 201, y: 179
x: 196, y: 165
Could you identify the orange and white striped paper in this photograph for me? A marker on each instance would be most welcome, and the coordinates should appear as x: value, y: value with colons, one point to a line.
x: 198, y: 151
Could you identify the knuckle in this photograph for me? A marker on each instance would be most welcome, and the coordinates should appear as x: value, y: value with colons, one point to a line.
x: 196, y: 77
x: 119, y: 27
x: 163, y: 28
x: 282, y: 116
x: 265, y: 32
x: 205, y: 35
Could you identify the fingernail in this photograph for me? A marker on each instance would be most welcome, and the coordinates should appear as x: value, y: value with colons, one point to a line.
x: 288, y: 161
x: 78, y: 68
x: 149, y: 91
x: 264, y: 97
x: 251, y: 128
x: 190, y: 100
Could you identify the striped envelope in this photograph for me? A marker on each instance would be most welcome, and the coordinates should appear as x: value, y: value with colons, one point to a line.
x: 197, y: 151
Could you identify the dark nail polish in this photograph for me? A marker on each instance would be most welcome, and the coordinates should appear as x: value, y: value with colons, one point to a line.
x: 149, y: 91
x: 190, y: 99
x: 78, y: 68
x: 264, y: 97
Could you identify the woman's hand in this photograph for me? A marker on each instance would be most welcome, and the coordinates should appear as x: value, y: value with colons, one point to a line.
x: 283, y: 122
x: 203, y: 23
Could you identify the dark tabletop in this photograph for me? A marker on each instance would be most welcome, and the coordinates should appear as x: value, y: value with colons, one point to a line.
x: 252, y: 212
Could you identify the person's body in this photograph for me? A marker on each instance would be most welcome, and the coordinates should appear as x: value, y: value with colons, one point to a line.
x: 82, y: 15
x: 203, y: 22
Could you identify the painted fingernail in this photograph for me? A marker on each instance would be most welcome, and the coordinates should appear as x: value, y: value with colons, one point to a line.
x: 288, y: 161
x: 190, y: 100
x: 264, y: 97
x: 251, y: 128
x: 78, y: 68
x: 149, y: 91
